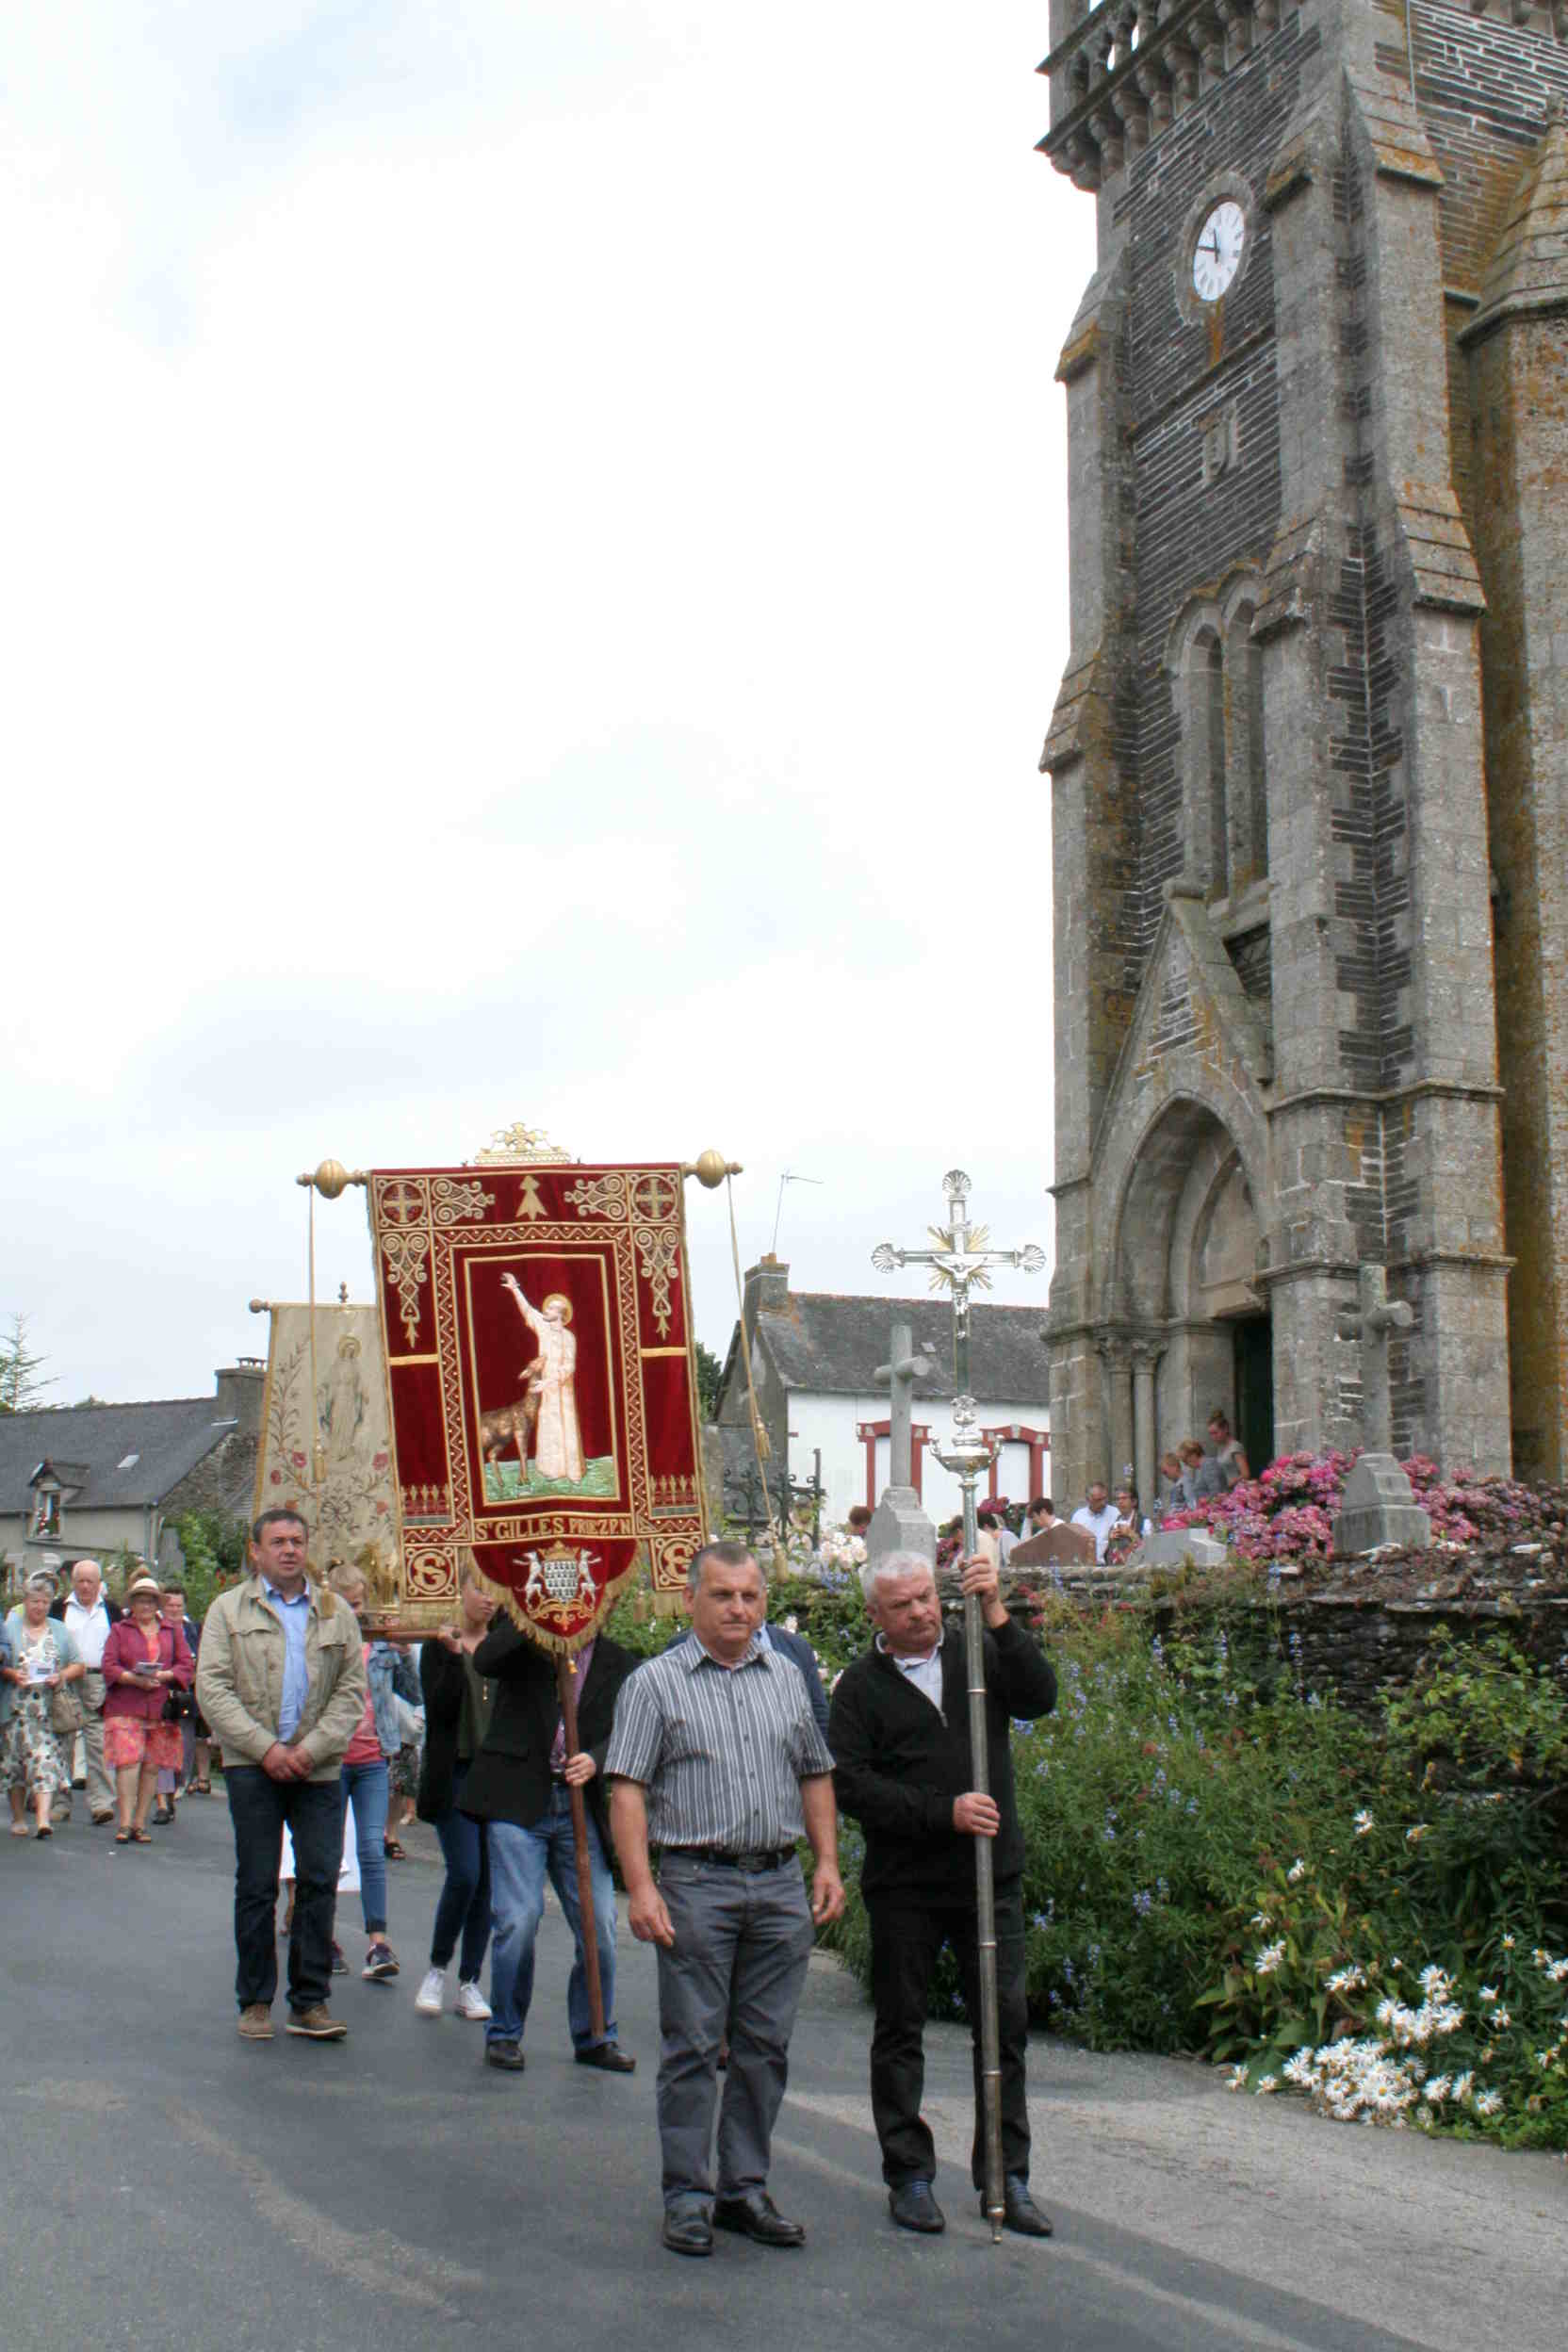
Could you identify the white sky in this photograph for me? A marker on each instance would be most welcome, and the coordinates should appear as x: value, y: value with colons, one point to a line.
x: 534, y: 581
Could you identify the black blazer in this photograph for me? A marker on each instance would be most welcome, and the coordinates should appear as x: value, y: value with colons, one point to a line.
x: 510, y: 1779
x: 441, y: 1684
x: 898, y: 1763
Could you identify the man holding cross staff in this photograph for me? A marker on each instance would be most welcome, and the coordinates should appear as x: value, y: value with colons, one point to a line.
x: 930, y: 1798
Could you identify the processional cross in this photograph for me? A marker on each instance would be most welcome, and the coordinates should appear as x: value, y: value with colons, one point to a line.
x: 962, y: 1263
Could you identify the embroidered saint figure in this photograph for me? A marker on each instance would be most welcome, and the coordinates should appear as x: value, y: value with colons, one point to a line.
x: 557, y: 1440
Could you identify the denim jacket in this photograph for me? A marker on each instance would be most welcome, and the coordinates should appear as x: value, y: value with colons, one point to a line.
x: 390, y: 1670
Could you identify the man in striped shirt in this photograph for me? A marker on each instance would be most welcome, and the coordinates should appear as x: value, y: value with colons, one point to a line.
x: 716, y: 1760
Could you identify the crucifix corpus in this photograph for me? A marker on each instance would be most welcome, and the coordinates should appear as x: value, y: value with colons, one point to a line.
x: 1377, y: 1506
x: 960, y: 1262
x: 899, y: 1524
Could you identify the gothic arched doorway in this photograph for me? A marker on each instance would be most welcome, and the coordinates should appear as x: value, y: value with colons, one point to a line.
x: 1186, y: 1294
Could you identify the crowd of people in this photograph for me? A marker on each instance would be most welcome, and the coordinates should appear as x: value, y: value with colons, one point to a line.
x: 700, y: 1771
x: 1113, y: 1517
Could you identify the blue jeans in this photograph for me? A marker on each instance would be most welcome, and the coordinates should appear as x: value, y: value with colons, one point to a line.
x: 520, y: 1861
x: 365, y: 1785
x: 465, y: 1905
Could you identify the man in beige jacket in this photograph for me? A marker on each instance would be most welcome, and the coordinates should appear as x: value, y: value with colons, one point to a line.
x: 281, y: 1681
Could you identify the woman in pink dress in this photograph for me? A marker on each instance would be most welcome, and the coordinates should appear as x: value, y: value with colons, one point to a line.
x: 145, y: 1658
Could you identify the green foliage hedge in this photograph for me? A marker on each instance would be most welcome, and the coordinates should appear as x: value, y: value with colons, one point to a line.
x: 1222, y: 1861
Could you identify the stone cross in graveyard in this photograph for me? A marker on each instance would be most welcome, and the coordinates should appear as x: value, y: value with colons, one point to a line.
x: 899, y: 1524
x: 900, y: 1374
x: 1371, y: 1323
x: 1378, y: 1506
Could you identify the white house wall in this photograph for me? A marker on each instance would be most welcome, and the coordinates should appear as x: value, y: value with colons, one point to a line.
x: 830, y: 1422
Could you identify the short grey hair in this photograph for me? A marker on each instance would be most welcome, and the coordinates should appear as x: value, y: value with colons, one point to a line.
x: 723, y: 1555
x: 88, y: 1561
x: 894, y: 1564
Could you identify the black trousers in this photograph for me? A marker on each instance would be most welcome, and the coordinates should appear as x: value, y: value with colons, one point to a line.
x: 258, y: 1808
x: 907, y: 1937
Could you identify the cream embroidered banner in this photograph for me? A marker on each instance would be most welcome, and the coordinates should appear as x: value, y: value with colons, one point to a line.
x: 345, y: 1491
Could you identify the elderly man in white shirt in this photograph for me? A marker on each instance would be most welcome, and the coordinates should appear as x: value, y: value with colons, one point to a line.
x: 86, y: 1616
x: 1098, y: 1515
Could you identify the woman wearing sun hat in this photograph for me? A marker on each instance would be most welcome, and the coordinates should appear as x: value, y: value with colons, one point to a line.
x: 145, y: 1658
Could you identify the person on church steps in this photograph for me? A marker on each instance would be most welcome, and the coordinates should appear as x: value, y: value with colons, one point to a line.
x: 1098, y: 1515
x: 1201, y: 1475
x: 1130, y: 1526
x: 1227, y: 1451
x: 899, y: 1730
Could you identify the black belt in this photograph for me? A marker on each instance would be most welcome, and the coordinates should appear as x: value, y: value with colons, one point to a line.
x: 772, y: 1859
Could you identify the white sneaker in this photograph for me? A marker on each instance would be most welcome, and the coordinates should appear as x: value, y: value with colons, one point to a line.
x: 432, y: 1993
x: 471, y: 2002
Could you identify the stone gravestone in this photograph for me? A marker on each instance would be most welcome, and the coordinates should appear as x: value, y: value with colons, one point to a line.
x: 899, y: 1524
x: 1378, y: 1506
x: 1169, y: 1546
x: 1061, y: 1546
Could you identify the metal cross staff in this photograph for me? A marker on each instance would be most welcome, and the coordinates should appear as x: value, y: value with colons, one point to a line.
x: 959, y: 1263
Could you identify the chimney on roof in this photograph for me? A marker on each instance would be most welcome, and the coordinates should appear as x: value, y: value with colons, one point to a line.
x: 240, y: 1387
x: 767, y: 1290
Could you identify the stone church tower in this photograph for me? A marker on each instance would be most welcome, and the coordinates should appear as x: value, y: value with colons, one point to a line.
x: 1310, y: 755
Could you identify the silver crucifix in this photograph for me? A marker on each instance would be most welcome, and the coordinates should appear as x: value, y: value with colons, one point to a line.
x: 962, y: 1263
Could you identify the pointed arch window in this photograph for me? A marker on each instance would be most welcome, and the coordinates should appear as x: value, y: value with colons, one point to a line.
x: 1218, y: 676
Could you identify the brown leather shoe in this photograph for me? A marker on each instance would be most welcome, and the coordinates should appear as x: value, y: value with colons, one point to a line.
x: 255, y: 2022
x: 317, y: 2025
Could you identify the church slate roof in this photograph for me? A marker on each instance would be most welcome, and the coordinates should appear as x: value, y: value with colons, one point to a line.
x: 168, y: 1437
x: 829, y: 1343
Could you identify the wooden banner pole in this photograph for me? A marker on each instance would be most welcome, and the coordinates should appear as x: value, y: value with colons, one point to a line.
x: 565, y: 1683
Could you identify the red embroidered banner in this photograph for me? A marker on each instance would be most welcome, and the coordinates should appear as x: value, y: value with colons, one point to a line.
x: 542, y: 1394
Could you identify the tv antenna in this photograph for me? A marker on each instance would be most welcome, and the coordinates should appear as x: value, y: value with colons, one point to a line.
x: 788, y: 1177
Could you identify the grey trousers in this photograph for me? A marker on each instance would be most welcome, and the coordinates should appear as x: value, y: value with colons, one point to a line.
x: 89, y: 1744
x: 738, y: 1964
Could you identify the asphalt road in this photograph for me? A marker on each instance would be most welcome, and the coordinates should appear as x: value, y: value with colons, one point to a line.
x: 166, y: 2184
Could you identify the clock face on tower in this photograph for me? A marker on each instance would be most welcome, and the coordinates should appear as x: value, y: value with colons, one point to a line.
x: 1216, y: 256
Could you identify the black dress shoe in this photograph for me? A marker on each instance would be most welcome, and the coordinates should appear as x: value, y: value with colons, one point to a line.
x: 609, y: 2057
x: 913, y: 2207
x: 1020, y: 2211
x: 689, y: 2233
x: 757, y: 2216
x: 507, y: 2055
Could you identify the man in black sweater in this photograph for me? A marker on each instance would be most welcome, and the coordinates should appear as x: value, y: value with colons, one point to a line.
x: 899, y: 1731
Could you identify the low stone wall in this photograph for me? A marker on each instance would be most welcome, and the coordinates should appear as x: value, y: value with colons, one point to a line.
x: 1356, y: 1640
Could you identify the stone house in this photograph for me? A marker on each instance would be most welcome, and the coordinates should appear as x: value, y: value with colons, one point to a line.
x: 814, y: 1356
x: 1309, y: 759
x: 89, y: 1479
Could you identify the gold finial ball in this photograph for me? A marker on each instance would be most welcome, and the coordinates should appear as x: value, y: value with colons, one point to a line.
x: 331, y: 1178
x: 710, y: 1168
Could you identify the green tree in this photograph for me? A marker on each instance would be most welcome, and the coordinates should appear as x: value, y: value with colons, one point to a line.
x: 709, y: 1373
x: 212, y: 1544
x: 21, y: 1390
